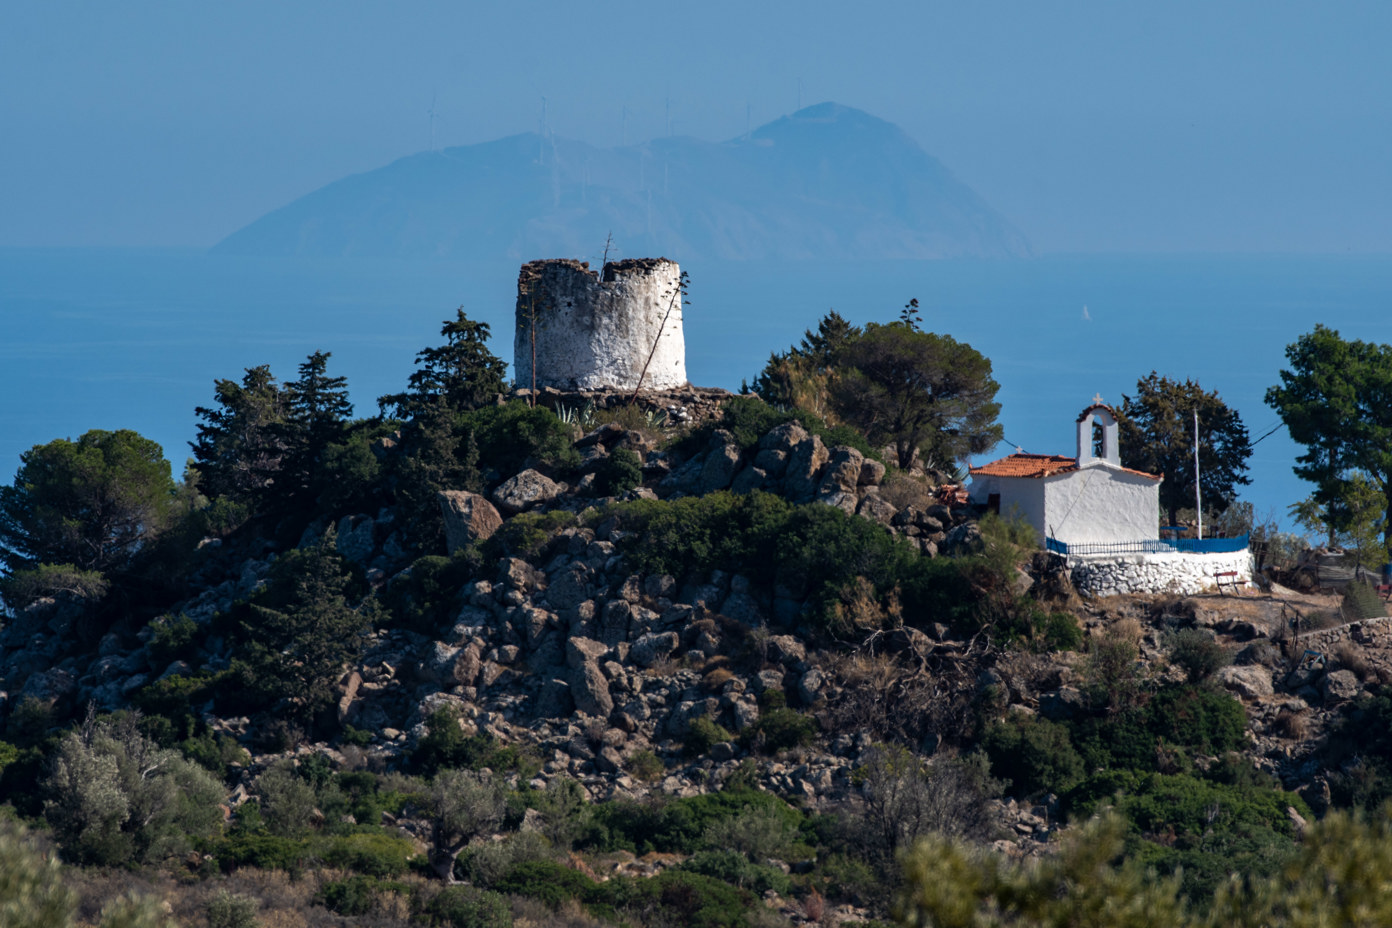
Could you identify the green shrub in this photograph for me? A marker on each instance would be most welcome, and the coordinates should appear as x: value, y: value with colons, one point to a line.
x: 213, y: 753
x: 33, y: 892
x: 425, y: 596
x: 469, y: 907
x: 356, y: 895
x: 734, y: 868
x: 526, y: 535
x: 853, y: 572
x: 1185, y: 823
x: 446, y: 745
x: 1361, y: 601
x: 675, y: 826
x: 546, y: 881
x: 172, y: 639
x: 749, y: 419
x: 1197, y: 653
x: 676, y: 897
x: 262, y: 852
x: 705, y: 734
x: 1033, y: 753
x: 780, y: 729
x: 516, y: 436
x: 116, y: 798
x: 226, y: 910
x: 374, y: 853
x: 618, y: 471
x: 178, y: 695
x: 646, y: 766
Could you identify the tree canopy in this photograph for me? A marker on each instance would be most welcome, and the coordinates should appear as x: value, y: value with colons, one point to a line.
x: 1336, y: 400
x: 918, y: 392
x: 92, y: 503
x: 462, y: 372
x: 1157, y: 436
x: 239, y: 445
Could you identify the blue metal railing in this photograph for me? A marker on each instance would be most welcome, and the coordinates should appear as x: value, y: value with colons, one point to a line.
x: 1152, y: 546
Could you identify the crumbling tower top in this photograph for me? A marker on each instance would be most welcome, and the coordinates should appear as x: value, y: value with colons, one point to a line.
x: 587, y: 331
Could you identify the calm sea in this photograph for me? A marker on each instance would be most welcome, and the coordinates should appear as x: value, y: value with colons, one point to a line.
x: 134, y: 339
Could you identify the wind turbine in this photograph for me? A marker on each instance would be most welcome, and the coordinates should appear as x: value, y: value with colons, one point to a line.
x: 431, y: 113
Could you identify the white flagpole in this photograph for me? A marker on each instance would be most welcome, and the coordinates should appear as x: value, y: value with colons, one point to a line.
x: 1198, y: 499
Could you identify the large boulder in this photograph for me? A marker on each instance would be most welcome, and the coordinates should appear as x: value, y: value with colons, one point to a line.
x: 653, y: 647
x: 722, y: 460
x: 840, y: 477
x: 1250, y: 681
x: 468, y: 518
x: 525, y: 490
x: 804, y: 472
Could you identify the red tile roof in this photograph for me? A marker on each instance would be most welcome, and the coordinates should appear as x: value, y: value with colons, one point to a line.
x: 1021, y: 464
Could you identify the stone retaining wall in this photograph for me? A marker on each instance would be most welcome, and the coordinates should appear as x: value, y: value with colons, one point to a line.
x: 1116, y: 574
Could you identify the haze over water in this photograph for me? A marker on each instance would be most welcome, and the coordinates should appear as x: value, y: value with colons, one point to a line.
x: 135, y: 338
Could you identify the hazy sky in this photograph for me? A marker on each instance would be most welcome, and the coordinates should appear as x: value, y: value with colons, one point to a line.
x: 1094, y: 126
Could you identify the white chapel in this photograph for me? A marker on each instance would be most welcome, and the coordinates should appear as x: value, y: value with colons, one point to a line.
x: 1088, y: 499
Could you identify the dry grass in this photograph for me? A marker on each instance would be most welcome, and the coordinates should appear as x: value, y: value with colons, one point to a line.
x: 282, y: 901
x: 714, y: 681
x: 902, y: 491
x: 1350, y: 656
x: 1295, y: 725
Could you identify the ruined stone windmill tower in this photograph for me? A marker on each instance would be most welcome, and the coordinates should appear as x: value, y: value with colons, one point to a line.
x: 615, y: 330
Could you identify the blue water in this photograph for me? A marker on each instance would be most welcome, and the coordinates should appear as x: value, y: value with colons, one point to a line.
x: 134, y: 339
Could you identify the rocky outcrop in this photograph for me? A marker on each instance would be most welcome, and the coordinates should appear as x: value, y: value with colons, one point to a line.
x: 468, y: 518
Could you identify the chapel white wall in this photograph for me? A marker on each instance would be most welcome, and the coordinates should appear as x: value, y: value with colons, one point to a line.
x: 1099, y: 503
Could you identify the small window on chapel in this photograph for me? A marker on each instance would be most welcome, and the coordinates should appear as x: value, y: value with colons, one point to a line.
x: 993, y: 503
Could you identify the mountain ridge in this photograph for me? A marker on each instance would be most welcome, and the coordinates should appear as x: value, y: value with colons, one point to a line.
x: 826, y: 182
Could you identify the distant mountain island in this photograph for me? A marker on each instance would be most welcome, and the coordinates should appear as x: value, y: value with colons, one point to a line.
x: 828, y: 182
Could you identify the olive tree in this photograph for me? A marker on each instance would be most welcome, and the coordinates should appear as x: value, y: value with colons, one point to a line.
x: 115, y: 797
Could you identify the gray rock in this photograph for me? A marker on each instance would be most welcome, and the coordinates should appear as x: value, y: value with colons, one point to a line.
x: 468, y: 518
x: 48, y: 686
x: 525, y: 490
x: 772, y: 461
x: 750, y: 479
x: 613, y: 622
x: 1340, y: 686
x: 554, y: 701
x: 810, y: 686
x: 787, y: 650
x: 355, y: 538
x: 876, y: 509
x: 590, y: 690
x: 963, y: 540
x: 745, y: 713
x: 784, y: 438
x: 871, y: 473
x: 653, y: 647
x: 804, y: 470
x: 581, y: 651
x: 1250, y: 681
x: 722, y: 459
x: 766, y: 680
x: 467, y: 665
x: 1063, y: 705
x: 842, y: 472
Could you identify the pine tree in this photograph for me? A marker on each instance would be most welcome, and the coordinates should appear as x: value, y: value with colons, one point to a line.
x: 240, y: 441
x: 462, y: 373
x: 1157, y: 436
x: 301, y: 631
